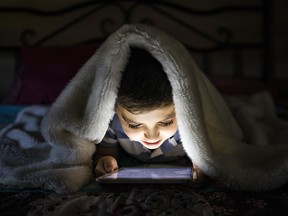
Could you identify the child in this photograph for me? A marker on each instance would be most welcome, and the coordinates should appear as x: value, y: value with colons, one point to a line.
x: 145, y: 123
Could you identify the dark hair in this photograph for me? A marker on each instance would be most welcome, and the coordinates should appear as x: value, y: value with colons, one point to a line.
x: 144, y: 85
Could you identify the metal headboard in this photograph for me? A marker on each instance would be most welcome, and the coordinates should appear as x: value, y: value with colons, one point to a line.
x: 169, y: 10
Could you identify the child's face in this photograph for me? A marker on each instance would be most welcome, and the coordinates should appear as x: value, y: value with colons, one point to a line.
x: 150, y: 128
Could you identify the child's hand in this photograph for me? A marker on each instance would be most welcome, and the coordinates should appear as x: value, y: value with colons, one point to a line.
x: 106, y: 164
x: 197, y: 173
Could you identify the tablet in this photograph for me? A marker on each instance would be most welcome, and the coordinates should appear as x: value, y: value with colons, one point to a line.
x: 148, y: 175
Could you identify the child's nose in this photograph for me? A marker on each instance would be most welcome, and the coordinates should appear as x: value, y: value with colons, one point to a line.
x: 151, y: 134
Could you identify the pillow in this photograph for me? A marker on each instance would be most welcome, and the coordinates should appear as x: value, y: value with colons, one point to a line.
x: 45, y: 71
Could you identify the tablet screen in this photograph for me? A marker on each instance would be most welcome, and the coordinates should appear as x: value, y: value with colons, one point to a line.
x: 148, y: 175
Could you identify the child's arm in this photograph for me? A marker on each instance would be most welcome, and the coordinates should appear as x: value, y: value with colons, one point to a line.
x: 105, y: 159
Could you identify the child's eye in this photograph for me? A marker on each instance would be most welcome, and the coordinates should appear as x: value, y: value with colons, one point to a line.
x: 134, y: 126
x: 167, y: 123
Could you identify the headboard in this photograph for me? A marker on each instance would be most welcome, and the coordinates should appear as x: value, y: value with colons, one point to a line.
x: 226, y: 40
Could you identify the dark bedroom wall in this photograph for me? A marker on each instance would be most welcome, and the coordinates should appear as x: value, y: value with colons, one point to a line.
x: 280, y: 37
x: 279, y: 46
x: 12, y: 27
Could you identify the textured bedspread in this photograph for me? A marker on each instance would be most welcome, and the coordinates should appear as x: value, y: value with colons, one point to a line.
x: 147, y: 200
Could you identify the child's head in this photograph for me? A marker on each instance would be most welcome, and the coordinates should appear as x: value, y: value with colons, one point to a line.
x: 144, y: 85
x: 145, y: 104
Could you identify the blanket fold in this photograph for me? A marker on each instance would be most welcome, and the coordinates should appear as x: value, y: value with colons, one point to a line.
x: 240, y: 142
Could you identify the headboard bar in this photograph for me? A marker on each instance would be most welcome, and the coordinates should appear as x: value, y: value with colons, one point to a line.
x: 156, y: 5
x: 68, y: 25
x: 267, y: 57
x: 165, y: 8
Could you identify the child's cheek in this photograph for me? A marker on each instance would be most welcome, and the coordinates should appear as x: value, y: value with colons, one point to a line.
x: 169, y: 132
x: 133, y: 134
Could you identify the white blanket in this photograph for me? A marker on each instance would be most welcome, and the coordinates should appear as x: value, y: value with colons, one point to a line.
x: 247, y: 150
x: 28, y: 160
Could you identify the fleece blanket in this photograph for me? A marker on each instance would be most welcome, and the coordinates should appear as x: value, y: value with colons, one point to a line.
x: 28, y: 160
x: 239, y: 142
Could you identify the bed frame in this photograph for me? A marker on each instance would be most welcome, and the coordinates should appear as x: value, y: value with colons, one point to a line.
x: 173, y: 18
x: 210, y: 35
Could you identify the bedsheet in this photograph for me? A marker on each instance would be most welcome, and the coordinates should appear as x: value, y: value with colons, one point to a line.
x: 147, y: 200
x: 8, y: 113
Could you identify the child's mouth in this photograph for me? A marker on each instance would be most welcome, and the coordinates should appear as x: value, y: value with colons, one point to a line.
x: 152, y: 143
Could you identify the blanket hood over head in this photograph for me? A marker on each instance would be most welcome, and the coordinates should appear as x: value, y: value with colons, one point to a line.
x: 212, y: 136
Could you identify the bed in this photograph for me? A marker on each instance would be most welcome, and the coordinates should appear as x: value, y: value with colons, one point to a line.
x: 46, y: 63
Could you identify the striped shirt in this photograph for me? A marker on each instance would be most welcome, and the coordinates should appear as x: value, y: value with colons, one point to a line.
x: 171, y: 148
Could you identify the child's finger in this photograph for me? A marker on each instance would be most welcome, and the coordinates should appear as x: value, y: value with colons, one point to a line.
x: 99, y: 169
x: 105, y: 165
x: 197, y: 173
x: 110, y: 165
x: 194, y: 174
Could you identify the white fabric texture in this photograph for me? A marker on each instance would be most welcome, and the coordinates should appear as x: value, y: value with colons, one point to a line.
x: 28, y: 160
x: 247, y: 151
